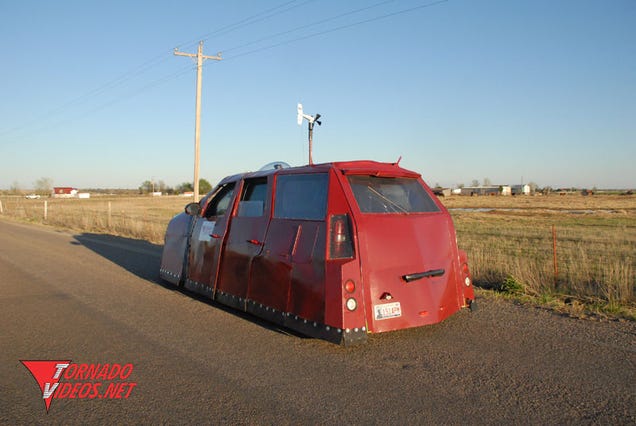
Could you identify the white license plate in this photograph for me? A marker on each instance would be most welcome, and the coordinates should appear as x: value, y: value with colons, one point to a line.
x: 387, y: 310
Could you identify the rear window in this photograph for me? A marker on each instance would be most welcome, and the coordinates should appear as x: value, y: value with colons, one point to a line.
x: 391, y: 195
x: 302, y: 196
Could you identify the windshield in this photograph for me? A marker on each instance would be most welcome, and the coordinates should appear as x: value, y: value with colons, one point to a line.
x: 391, y: 195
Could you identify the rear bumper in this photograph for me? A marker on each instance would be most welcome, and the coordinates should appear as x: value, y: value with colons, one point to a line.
x: 411, y: 318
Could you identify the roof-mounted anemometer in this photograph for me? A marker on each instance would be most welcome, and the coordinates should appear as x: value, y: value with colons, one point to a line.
x: 311, y: 119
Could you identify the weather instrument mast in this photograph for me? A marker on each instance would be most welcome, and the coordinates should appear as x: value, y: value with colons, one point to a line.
x: 311, y: 119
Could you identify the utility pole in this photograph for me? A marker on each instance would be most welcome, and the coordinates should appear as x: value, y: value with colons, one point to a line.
x: 197, y: 121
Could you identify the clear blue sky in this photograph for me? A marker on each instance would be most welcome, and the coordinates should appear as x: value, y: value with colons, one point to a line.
x: 543, y: 90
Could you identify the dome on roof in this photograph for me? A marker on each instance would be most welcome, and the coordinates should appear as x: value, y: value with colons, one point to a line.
x: 275, y: 165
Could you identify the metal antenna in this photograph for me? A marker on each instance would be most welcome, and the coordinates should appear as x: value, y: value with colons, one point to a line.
x: 311, y: 119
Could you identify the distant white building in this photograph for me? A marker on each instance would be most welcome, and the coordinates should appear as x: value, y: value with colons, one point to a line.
x: 441, y: 192
x: 520, y: 189
x: 486, y: 190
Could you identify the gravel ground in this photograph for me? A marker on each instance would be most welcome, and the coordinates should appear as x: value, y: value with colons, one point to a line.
x: 97, y: 299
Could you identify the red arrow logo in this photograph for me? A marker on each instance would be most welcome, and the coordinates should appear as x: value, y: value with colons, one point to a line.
x: 47, y: 374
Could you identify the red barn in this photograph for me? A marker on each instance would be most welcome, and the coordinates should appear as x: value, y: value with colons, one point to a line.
x: 64, y: 192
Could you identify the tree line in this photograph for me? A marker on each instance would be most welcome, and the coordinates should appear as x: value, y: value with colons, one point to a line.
x: 44, y: 186
x: 150, y: 186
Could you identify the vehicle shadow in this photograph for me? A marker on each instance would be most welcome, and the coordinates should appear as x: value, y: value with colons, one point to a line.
x: 143, y: 259
x: 136, y: 256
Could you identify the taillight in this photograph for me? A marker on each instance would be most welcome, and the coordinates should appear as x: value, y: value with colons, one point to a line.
x: 351, y: 304
x: 466, y: 272
x: 340, y: 241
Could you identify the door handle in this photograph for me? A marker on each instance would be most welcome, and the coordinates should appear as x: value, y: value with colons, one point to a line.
x: 215, y: 236
x: 255, y: 242
x: 418, y: 276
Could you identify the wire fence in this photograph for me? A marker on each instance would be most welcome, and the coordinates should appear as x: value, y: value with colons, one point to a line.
x: 583, y: 255
x: 136, y: 217
x: 588, y: 257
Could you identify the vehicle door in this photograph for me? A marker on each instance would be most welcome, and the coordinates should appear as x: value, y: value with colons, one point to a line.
x: 289, y: 274
x: 206, y: 242
x: 245, y: 239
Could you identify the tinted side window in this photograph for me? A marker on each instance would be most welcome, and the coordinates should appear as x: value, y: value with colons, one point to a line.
x: 252, y: 202
x: 301, y: 196
x: 391, y: 195
x: 204, y: 201
x: 220, y: 201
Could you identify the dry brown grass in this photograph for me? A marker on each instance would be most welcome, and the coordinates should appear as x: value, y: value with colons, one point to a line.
x: 510, y: 246
x: 136, y: 217
x: 545, y: 202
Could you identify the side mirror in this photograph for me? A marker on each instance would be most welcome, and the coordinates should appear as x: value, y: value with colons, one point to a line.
x: 193, y: 209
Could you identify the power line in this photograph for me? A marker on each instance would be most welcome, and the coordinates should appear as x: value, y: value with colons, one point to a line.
x: 123, y: 78
x: 269, y: 13
x: 339, y: 28
x: 322, y: 21
x: 130, y: 95
x: 157, y: 60
x: 145, y: 88
x: 148, y: 65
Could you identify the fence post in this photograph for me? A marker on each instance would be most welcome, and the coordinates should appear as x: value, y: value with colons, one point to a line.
x: 554, y: 255
x: 1, y: 210
x: 46, y: 209
x: 110, y: 211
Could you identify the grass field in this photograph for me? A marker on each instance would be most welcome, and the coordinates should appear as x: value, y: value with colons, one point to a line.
x: 509, y: 240
x: 136, y: 217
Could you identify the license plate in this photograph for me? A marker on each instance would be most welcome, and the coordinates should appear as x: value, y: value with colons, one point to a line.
x: 387, y: 310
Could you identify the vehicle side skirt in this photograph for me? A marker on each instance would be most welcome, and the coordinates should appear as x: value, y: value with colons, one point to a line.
x: 346, y: 337
x: 170, y: 276
x: 230, y: 300
x: 198, y: 288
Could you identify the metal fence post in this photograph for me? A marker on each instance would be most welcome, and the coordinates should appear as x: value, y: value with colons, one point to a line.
x: 554, y: 255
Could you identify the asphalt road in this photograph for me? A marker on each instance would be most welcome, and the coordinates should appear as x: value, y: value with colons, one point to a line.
x: 97, y: 299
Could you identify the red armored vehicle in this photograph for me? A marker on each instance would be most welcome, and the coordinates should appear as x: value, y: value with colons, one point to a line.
x: 334, y: 250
